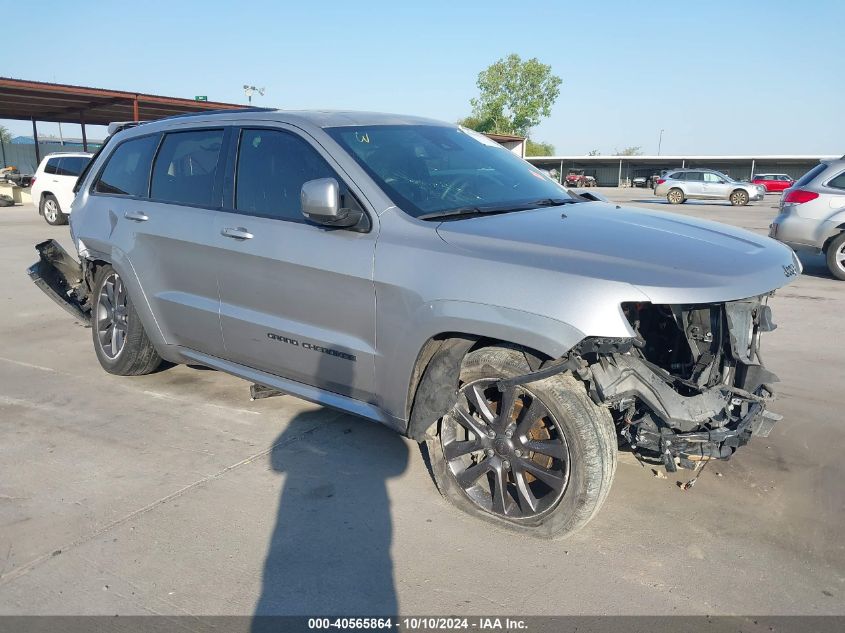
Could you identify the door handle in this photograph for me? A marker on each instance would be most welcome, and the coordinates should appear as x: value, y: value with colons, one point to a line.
x: 239, y: 233
x: 136, y: 216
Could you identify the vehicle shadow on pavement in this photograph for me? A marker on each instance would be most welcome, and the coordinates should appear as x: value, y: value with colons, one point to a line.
x: 329, y: 553
x: 815, y: 266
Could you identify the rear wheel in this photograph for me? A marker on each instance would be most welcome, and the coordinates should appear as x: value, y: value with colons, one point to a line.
x: 51, y: 211
x: 121, y: 345
x: 537, y: 459
x: 836, y: 257
x: 739, y: 198
x: 675, y: 196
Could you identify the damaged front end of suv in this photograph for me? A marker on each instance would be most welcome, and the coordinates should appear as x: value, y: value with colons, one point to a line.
x: 691, y: 385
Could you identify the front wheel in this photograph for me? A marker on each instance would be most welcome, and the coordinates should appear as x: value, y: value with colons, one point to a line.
x: 121, y: 345
x: 538, y: 459
x: 739, y: 198
x: 51, y: 211
x: 675, y: 196
x: 836, y: 257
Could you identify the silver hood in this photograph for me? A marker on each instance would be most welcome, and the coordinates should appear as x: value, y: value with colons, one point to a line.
x: 669, y: 258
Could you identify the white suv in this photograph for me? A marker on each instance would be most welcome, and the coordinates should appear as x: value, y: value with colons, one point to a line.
x: 52, y: 184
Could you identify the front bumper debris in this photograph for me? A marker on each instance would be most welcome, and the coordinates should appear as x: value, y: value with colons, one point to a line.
x: 60, y: 277
x: 689, y: 387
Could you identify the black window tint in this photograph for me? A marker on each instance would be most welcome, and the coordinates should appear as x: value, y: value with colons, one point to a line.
x: 127, y: 171
x: 810, y: 175
x: 678, y: 176
x: 838, y: 182
x: 185, y: 166
x: 52, y: 166
x: 696, y: 176
x: 71, y: 165
x: 272, y: 167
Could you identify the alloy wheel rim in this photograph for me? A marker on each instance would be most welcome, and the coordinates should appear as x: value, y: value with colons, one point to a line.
x: 840, y: 257
x: 112, y: 316
x: 506, y: 451
x: 676, y: 196
x: 50, y: 210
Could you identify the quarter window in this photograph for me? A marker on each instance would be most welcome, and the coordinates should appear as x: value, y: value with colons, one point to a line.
x: 51, y: 166
x: 127, y: 171
x: 678, y: 176
x: 71, y: 165
x: 184, y: 170
x: 838, y: 182
x: 272, y: 167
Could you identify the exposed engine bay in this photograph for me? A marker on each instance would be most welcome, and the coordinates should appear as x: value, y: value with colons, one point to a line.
x: 691, y: 386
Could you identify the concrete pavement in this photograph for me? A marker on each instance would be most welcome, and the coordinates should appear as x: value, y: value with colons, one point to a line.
x: 174, y: 494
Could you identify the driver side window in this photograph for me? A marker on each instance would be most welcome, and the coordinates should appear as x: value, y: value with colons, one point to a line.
x: 708, y: 177
x: 272, y: 167
x: 185, y: 168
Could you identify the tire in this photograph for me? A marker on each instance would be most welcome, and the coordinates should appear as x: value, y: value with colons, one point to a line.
x: 549, y: 495
x: 835, y: 255
x: 739, y: 198
x: 121, y: 345
x: 675, y: 196
x: 51, y: 211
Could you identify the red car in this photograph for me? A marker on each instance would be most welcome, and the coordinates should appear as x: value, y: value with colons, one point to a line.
x: 773, y: 182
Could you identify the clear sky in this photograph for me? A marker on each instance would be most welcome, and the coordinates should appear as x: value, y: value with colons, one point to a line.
x: 719, y: 77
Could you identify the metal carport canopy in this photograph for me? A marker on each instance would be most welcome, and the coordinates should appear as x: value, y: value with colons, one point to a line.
x: 60, y: 103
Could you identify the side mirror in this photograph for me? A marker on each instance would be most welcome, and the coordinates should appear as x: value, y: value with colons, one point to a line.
x: 320, y: 200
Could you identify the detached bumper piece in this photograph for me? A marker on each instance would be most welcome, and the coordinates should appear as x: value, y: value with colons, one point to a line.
x: 691, y: 386
x: 60, y: 277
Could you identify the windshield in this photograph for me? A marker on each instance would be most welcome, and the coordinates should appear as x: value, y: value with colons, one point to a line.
x: 428, y: 169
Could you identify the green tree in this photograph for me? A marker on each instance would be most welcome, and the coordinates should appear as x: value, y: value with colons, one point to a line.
x: 476, y: 123
x: 634, y: 150
x: 594, y: 152
x: 536, y: 148
x: 5, y: 134
x: 514, y: 95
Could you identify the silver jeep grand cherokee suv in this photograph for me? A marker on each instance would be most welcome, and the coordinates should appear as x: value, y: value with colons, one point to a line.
x: 414, y: 273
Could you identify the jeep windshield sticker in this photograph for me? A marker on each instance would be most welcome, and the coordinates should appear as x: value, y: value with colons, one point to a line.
x: 311, y: 346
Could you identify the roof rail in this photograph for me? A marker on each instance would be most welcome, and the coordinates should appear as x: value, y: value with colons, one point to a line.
x: 117, y: 126
x: 224, y: 111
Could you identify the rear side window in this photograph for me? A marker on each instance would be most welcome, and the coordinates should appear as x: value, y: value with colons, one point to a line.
x: 184, y: 170
x: 71, y: 166
x: 52, y: 166
x: 272, y: 167
x: 838, y: 182
x: 127, y: 171
x: 810, y: 175
x: 696, y: 176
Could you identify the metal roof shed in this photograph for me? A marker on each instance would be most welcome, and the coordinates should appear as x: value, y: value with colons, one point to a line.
x: 60, y: 103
